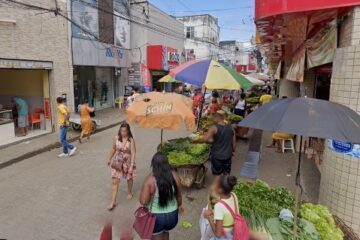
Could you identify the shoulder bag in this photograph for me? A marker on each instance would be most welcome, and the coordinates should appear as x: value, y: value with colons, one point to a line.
x: 145, y: 221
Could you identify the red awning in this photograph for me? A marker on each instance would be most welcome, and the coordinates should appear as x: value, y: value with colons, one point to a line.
x: 267, y: 8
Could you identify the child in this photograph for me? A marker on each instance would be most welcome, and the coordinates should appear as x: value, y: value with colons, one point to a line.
x: 221, y: 220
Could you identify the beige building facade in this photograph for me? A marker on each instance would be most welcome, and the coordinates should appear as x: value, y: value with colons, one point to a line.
x: 35, y: 58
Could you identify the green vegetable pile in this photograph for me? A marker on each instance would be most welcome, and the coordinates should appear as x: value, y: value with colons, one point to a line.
x: 282, y: 229
x: 234, y: 118
x: 260, y: 205
x: 262, y: 199
x: 324, y: 223
x: 252, y: 99
x: 206, y: 123
x: 182, y: 152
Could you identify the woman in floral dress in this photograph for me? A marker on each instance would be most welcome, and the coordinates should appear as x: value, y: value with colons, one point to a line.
x: 123, y: 164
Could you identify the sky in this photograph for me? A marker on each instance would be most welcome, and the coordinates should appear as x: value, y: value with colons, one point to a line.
x: 235, y: 16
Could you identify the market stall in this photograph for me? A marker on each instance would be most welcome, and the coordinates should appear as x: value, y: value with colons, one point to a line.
x: 306, y: 117
x: 268, y: 213
x: 188, y: 160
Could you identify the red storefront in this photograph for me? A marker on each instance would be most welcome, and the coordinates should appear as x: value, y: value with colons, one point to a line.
x: 160, y: 60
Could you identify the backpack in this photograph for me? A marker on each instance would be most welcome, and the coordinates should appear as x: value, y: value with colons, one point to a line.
x: 241, y: 229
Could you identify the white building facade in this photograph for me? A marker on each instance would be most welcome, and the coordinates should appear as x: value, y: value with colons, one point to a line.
x: 233, y: 53
x: 202, y: 35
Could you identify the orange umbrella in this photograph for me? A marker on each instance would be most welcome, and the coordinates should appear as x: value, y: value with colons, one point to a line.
x: 162, y: 110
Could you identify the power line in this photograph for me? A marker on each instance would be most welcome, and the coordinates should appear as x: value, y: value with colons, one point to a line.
x: 131, y: 20
x: 184, y: 5
x: 154, y: 28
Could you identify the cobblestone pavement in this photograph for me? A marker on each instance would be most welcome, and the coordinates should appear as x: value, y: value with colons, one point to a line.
x: 45, y: 197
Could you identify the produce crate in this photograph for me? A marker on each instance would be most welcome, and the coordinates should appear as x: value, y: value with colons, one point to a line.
x: 348, y: 232
x: 200, y: 177
x: 187, y: 175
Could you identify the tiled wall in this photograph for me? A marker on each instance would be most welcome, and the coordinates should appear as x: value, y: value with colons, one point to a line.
x: 340, y: 174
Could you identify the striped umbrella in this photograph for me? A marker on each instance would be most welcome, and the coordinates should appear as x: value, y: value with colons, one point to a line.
x: 245, y: 83
x: 205, y: 73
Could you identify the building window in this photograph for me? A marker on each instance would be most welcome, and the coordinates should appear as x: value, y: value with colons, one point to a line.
x: 190, y: 32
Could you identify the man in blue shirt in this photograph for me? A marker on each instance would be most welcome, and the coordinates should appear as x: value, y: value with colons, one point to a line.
x: 23, y: 118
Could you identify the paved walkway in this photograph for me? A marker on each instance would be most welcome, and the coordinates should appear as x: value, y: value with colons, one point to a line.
x: 46, y: 197
x: 28, y: 148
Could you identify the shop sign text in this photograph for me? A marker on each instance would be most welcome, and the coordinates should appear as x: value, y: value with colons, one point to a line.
x: 159, y: 108
x: 349, y: 149
x: 114, y: 53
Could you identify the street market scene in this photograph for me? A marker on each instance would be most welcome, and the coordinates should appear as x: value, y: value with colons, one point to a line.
x: 181, y: 120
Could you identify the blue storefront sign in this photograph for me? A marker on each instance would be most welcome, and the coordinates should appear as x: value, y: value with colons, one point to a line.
x: 349, y: 149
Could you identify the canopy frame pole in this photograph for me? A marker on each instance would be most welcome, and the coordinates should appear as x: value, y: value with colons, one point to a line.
x: 201, y: 108
x: 297, y: 190
x: 162, y: 137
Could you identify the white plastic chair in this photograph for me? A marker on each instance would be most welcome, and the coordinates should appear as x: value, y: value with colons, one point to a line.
x: 287, y: 144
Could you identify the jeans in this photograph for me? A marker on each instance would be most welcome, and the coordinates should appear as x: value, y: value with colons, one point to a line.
x: 63, y: 140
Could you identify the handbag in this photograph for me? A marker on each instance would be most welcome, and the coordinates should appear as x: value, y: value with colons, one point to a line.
x: 115, y: 164
x: 145, y: 221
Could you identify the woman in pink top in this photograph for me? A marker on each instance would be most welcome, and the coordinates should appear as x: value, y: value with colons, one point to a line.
x: 123, y: 165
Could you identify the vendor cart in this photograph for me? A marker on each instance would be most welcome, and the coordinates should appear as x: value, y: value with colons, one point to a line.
x: 191, y: 175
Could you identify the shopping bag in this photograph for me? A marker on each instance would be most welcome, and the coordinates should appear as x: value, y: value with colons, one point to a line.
x: 205, y: 228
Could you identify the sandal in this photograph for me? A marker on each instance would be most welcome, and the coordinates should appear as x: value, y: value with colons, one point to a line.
x: 111, y: 207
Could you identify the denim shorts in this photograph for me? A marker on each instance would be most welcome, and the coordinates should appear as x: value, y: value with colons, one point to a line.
x: 165, y: 222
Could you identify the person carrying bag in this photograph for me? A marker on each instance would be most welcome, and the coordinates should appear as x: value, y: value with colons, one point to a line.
x: 161, y: 201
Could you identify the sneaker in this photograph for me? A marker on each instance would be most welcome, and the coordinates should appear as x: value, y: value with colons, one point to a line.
x: 61, y: 155
x: 72, y: 151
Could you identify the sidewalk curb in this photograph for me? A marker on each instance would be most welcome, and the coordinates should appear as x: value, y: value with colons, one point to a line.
x: 51, y: 146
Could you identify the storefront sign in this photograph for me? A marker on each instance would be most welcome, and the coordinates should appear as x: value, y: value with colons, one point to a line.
x: 145, y: 76
x: 93, y: 53
x: 321, y: 48
x: 296, y: 71
x: 349, y: 149
x: 173, y: 57
x: 25, y: 64
x: 139, y: 75
x: 163, y: 58
x: 114, y: 53
x: 159, y: 108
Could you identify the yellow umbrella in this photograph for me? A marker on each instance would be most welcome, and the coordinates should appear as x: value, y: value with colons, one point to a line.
x: 161, y: 110
x: 167, y: 79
